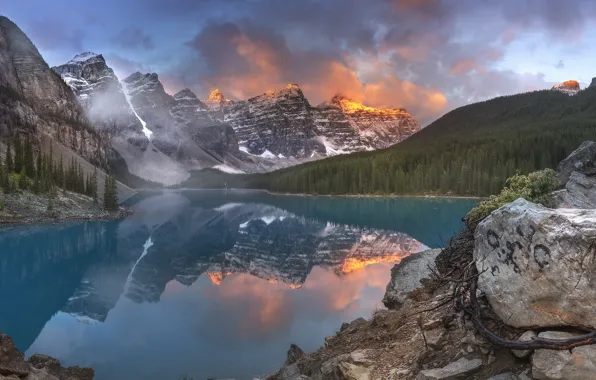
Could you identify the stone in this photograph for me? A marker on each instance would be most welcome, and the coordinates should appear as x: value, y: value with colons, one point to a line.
x: 460, y: 369
x: 351, y: 371
x: 579, y: 192
x: 353, y: 366
x: 435, y: 338
x: 537, y: 265
x: 406, y: 276
x: 12, y: 361
x: 582, y: 160
x: 527, y: 336
x: 432, y: 324
x: 290, y: 372
x: 295, y: 353
x: 400, y: 372
x: 504, y: 376
x: 579, y: 364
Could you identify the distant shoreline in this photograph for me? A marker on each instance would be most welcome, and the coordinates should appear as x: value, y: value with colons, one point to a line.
x: 326, y: 195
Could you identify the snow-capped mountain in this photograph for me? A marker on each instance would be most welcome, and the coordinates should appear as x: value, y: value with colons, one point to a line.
x: 284, y: 124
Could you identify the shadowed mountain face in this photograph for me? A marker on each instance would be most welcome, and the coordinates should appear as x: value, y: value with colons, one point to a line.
x: 245, y: 254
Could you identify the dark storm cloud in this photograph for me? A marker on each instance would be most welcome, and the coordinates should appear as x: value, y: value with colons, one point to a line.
x: 133, y: 38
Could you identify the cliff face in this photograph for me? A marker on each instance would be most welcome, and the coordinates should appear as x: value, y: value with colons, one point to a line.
x: 35, y: 100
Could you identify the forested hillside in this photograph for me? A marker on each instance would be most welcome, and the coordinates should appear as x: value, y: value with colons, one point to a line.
x: 469, y: 151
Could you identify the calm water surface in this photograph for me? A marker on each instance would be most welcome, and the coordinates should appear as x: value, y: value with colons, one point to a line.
x: 208, y: 283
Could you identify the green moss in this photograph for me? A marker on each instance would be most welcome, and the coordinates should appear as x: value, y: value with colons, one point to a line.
x: 534, y: 187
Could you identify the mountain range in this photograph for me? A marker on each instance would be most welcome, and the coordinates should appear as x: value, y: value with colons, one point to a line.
x: 134, y: 128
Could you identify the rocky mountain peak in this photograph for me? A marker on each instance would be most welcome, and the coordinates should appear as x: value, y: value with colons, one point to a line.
x: 185, y: 93
x: 86, y: 57
x: 593, y: 83
x: 569, y: 87
x: 216, y: 96
x: 350, y: 106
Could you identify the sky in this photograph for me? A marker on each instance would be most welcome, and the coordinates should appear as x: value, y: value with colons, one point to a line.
x: 429, y: 56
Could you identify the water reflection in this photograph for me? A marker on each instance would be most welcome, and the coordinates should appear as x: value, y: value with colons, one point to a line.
x: 196, y: 281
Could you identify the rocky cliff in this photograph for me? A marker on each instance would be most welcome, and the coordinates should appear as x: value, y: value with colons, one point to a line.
x: 35, y: 100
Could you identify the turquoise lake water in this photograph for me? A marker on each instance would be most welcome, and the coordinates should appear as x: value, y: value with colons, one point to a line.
x: 208, y: 284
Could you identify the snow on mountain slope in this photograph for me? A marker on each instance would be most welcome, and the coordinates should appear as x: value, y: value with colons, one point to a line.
x: 284, y: 124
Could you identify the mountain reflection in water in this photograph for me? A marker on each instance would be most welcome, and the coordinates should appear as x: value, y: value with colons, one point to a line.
x: 196, y: 281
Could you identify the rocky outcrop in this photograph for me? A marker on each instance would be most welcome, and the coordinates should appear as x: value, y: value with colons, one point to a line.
x: 406, y: 276
x: 579, y: 192
x: 536, y: 265
x: 578, y: 363
x: 37, y: 367
x: 593, y: 83
x: 459, y: 369
x: 569, y: 87
x: 581, y: 160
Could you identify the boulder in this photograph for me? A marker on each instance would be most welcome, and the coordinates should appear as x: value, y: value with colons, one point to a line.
x: 582, y: 160
x: 295, y: 353
x: 406, y: 276
x: 527, y: 336
x: 537, y: 265
x: 579, y: 192
x: 577, y: 364
x: 460, y: 369
x: 435, y: 338
x: 37, y: 367
x: 353, y: 366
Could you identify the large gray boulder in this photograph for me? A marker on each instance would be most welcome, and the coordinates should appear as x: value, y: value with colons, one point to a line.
x: 579, y: 192
x: 582, y: 160
x: 537, y: 265
x: 406, y: 276
x: 577, y: 364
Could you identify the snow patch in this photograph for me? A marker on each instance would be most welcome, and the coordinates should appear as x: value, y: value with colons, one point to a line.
x: 244, y: 225
x: 268, y: 219
x: 146, y: 130
x: 83, y: 57
x: 268, y: 154
x: 228, y: 207
x: 228, y: 169
x: 330, y: 148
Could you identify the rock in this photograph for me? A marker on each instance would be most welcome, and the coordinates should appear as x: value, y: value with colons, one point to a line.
x: 344, y: 326
x: 351, y: 371
x: 432, y: 324
x: 582, y: 160
x: 459, y: 369
x: 12, y: 361
x: 435, y: 338
x: 579, y: 364
x: 536, y: 265
x: 406, y: 276
x: 504, y: 376
x: 593, y: 83
x: 353, y: 326
x: 37, y: 367
x: 527, y: 336
x: 295, y: 353
x: 290, y: 372
x: 400, y: 372
x: 579, y: 192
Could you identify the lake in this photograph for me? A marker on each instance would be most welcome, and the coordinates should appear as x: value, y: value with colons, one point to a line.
x: 208, y: 284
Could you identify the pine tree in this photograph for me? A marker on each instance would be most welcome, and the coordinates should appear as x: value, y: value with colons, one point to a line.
x: 110, y: 196
x: 94, y: 185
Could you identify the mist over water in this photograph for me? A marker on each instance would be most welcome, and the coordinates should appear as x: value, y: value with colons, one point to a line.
x: 208, y: 283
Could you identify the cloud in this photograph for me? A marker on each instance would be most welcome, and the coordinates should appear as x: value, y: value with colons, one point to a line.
x: 133, y: 38
x: 560, y: 65
x: 123, y: 67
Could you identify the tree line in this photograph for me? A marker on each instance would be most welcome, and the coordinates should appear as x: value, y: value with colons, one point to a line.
x: 24, y: 170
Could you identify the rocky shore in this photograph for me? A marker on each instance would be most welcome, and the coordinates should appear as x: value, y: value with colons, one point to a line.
x: 27, y: 208
x: 38, y: 367
x: 533, y: 287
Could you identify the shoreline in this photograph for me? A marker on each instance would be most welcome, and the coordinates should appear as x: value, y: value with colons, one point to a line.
x: 6, y: 222
x: 429, y: 196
